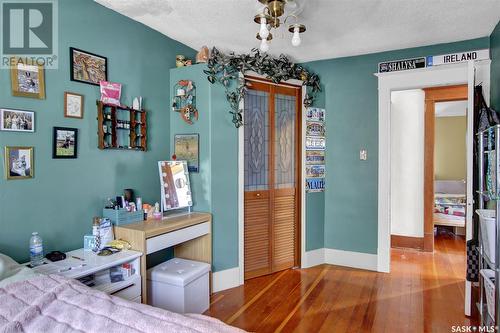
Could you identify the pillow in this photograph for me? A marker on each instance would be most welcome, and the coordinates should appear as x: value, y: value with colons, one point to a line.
x: 11, y: 271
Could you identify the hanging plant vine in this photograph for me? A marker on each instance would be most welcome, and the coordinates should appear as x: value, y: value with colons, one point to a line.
x: 226, y: 68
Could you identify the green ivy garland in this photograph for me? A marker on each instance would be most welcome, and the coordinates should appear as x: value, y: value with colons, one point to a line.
x: 224, y: 68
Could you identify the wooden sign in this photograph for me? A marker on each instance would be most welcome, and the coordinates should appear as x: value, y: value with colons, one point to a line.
x: 453, y: 58
x: 401, y: 65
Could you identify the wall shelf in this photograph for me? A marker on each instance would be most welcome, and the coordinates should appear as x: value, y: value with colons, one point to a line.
x: 113, y: 120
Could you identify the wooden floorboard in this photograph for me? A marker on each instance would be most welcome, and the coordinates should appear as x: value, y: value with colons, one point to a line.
x: 423, y: 293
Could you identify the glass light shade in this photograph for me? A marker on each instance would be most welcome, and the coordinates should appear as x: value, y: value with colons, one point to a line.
x: 263, y: 32
x: 264, y: 45
x: 296, y: 37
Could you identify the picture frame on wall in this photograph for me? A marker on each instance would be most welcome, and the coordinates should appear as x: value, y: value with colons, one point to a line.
x: 17, y: 120
x: 186, y: 148
x: 19, y: 163
x: 73, y: 105
x: 65, y: 142
x: 27, y: 80
x: 86, y: 67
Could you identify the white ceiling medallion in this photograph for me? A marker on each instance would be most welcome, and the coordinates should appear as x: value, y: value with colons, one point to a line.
x: 270, y: 18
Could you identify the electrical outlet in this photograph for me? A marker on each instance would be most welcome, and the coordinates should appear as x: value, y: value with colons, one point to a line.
x: 363, y: 155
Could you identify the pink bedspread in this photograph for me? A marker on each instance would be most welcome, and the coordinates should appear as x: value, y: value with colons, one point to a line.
x: 57, y: 304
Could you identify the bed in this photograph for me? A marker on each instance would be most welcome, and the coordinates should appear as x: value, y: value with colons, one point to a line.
x: 449, y: 203
x: 31, y: 302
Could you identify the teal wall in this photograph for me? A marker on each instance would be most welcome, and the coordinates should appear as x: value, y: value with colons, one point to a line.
x: 495, y: 68
x: 65, y: 194
x: 351, y: 101
x: 215, y: 187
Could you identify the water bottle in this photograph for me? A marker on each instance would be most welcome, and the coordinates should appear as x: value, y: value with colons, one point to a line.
x: 36, y: 249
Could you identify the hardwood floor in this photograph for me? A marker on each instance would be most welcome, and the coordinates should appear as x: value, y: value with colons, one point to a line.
x: 423, y: 293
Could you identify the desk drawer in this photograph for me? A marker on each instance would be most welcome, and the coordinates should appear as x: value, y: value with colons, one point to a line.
x: 132, y: 291
x: 170, y: 239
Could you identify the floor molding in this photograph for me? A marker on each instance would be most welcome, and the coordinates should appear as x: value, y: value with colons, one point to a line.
x: 226, y: 279
x: 314, y: 258
x: 407, y: 242
x: 341, y: 258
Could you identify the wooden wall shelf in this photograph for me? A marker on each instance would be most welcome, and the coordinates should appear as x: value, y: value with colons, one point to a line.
x: 113, y: 119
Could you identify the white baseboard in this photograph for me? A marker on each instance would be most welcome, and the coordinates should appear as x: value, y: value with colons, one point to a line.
x: 351, y: 259
x: 314, y: 258
x: 225, y: 279
x: 340, y: 258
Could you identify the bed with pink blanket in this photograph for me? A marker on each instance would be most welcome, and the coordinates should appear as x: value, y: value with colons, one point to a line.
x: 40, y: 303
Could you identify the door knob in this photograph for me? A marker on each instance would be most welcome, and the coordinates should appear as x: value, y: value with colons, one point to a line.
x: 258, y: 195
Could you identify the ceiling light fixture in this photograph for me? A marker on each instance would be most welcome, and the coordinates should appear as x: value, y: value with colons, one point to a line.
x: 270, y: 19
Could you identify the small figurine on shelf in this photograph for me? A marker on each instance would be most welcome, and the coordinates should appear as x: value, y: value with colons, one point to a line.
x: 179, y: 60
x: 202, y: 55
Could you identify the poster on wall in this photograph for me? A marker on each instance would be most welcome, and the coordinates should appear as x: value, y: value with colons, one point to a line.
x: 186, y: 148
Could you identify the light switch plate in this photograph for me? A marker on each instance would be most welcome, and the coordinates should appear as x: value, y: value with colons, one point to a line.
x: 363, y: 155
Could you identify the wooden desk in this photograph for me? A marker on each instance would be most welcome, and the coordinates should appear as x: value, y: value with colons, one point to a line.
x: 190, y: 235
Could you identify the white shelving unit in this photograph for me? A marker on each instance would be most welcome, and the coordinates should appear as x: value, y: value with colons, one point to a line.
x: 485, y: 262
x: 80, y: 263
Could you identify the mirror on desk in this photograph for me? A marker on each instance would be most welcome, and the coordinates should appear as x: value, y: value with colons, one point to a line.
x: 175, y: 187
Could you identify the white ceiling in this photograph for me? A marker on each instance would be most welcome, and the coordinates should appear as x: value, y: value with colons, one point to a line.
x: 451, y: 109
x: 335, y: 28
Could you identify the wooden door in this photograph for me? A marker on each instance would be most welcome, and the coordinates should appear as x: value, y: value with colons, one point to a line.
x: 272, y: 173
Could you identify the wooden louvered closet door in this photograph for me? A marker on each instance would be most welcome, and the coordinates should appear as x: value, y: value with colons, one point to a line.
x: 272, y: 170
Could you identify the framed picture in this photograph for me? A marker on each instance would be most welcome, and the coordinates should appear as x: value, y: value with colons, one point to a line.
x: 27, y: 80
x: 17, y: 120
x: 73, y: 105
x: 19, y: 163
x: 187, y: 149
x: 87, y: 67
x: 65, y: 142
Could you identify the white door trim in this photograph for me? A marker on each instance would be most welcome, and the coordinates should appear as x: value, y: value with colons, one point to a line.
x: 241, y: 182
x: 388, y: 82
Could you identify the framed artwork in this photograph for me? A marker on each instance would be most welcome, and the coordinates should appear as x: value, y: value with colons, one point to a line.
x: 73, y: 105
x: 17, y: 120
x: 87, y: 67
x: 19, y: 163
x: 65, y: 142
x: 27, y: 80
x: 186, y: 148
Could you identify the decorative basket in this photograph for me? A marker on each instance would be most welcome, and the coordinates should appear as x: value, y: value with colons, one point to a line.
x: 122, y: 216
x: 489, y: 289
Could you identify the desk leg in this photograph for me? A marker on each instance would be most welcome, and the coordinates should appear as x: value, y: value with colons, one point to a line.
x: 198, y: 249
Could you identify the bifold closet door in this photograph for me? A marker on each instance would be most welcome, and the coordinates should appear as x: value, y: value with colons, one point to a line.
x: 271, y: 174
